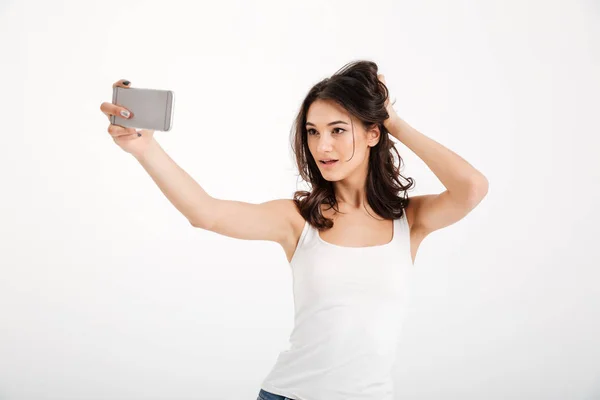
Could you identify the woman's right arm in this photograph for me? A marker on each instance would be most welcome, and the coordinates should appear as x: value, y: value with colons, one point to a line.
x: 177, y: 185
x: 265, y: 221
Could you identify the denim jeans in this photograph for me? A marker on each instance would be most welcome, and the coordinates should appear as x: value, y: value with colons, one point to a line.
x: 264, y: 395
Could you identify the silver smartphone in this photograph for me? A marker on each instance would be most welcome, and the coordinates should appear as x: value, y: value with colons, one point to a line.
x: 151, y: 108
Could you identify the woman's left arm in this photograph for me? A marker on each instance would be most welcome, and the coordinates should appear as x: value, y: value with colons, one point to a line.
x: 465, y: 185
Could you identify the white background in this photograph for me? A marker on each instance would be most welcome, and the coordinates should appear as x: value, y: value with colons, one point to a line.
x: 107, y: 292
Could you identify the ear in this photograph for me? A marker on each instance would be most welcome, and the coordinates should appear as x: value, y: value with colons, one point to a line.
x: 373, y: 135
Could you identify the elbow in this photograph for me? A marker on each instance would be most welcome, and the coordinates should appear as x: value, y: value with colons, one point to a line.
x: 478, y: 191
x: 200, y: 224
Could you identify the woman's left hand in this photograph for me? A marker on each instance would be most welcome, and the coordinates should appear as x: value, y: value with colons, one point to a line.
x: 388, y: 123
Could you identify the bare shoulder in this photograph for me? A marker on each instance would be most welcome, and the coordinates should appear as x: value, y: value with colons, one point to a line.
x: 271, y: 220
x: 295, y: 226
x: 292, y: 214
x: 288, y: 210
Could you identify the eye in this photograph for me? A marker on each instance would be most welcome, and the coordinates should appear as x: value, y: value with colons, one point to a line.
x: 309, y: 131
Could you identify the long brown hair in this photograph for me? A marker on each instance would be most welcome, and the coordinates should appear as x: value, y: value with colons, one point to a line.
x: 358, y: 90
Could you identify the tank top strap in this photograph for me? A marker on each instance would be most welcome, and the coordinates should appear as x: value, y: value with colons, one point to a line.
x: 402, y: 235
x: 401, y: 224
x: 307, y: 233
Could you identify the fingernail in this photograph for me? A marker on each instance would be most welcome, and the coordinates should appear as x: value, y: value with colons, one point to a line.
x: 126, y: 83
x: 125, y: 113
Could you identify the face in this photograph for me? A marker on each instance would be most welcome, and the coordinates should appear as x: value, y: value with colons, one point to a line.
x: 329, y: 134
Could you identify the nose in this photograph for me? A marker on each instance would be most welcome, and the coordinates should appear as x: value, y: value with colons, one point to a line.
x: 324, y: 144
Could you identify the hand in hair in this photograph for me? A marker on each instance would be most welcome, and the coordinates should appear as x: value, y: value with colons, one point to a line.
x: 388, y: 106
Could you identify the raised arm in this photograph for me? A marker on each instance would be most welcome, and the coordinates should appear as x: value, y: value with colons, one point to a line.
x: 265, y: 221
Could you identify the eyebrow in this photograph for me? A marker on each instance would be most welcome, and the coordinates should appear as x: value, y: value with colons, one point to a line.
x: 329, y: 124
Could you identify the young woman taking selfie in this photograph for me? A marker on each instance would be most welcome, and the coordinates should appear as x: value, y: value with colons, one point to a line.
x: 351, y: 240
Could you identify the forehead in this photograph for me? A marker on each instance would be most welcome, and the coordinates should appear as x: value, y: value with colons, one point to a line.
x: 321, y: 112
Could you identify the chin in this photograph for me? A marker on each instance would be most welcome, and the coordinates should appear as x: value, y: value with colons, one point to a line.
x: 330, y: 178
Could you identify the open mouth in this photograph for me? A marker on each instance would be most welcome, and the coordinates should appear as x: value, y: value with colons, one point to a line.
x: 330, y: 162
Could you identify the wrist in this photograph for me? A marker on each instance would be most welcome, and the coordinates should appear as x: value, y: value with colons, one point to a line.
x: 150, y: 148
x: 393, y: 126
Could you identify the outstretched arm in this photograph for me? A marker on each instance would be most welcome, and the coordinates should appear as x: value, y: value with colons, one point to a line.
x: 269, y: 220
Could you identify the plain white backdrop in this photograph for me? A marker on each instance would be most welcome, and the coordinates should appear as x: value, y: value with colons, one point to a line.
x: 107, y: 292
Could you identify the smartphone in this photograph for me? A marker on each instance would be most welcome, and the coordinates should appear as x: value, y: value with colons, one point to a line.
x: 151, y: 108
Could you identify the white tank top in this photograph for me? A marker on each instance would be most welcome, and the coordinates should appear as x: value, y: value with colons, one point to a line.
x: 349, y: 303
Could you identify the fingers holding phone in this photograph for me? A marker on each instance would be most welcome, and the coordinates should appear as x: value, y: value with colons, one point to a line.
x: 128, y: 138
x: 151, y: 108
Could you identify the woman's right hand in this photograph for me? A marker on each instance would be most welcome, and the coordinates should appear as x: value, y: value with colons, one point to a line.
x: 129, y: 139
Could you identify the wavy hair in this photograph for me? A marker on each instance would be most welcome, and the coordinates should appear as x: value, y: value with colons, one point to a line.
x: 357, y: 89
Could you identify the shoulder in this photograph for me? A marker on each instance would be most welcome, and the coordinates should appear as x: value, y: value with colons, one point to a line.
x: 291, y: 213
x: 286, y: 209
x: 431, y: 212
x: 295, y: 225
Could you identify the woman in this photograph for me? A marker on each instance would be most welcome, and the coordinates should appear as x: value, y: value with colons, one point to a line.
x: 351, y: 240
